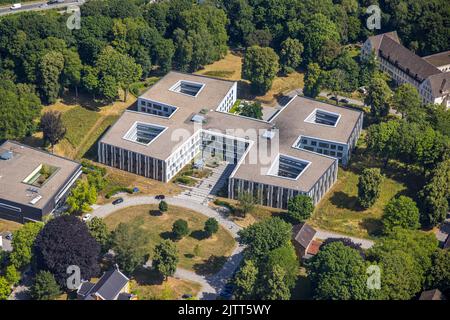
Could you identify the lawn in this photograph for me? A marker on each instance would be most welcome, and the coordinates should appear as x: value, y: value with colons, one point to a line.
x: 78, y: 122
x: 339, y: 210
x: 118, y: 178
x: 230, y: 68
x: 148, y: 285
x: 6, y: 225
x: 212, y: 252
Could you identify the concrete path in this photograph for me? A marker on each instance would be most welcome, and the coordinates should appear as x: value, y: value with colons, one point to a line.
x: 323, y: 235
x: 211, y: 285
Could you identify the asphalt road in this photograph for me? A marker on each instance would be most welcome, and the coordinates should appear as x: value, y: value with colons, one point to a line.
x: 37, y: 6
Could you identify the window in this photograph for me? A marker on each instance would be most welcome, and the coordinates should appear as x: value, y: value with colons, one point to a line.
x: 187, y: 87
x: 322, y: 117
x: 333, y: 146
x: 324, y: 145
x: 340, y: 148
x: 313, y: 143
x: 143, y: 133
x: 288, y: 167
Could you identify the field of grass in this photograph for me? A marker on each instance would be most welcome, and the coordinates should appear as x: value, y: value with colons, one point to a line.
x: 148, y: 285
x: 230, y: 68
x: 212, y: 251
x: 6, y: 225
x: 339, y: 210
x: 78, y: 121
x: 118, y: 178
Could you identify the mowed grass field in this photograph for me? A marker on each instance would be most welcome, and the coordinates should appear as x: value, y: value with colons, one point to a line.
x: 6, y: 225
x: 212, y: 252
x: 339, y: 210
x: 230, y: 68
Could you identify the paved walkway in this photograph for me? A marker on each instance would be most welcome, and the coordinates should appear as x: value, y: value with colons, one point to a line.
x: 323, y: 235
x: 211, y: 285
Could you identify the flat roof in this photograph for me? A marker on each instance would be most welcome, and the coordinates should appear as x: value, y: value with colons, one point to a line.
x: 289, y: 121
x: 25, y: 160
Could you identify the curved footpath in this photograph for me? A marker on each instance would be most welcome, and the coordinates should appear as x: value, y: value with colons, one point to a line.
x: 211, y: 284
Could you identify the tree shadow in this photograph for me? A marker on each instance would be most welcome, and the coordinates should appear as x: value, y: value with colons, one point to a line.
x: 210, y: 266
x: 189, y: 255
x: 147, y: 276
x: 168, y: 235
x: 343, y: 201
x: 199, y: 235
x: 84, y: 100
x: 155, y: 213
x: 373, y: 226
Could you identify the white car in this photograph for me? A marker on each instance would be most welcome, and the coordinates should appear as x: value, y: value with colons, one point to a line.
x: 87, y: 217
x: 16, y: 6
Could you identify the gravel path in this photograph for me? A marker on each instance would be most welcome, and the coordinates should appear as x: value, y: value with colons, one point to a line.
x: 211, y: 285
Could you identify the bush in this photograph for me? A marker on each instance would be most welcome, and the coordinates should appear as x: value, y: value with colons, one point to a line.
x: 163, y: 206
x: 401, y: 212
x: 180, y: 229
x: 369, y: 187
x: 185, y: 180
x: 12, y: 275
x: 116, y: 190
x: 211, y: 226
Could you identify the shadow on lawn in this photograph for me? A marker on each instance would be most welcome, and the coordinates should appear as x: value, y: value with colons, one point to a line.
x: 210, y: 266
x: 144, y: 276
x: 343, y: 201
x: 373, y: 226
x: 199, y: 235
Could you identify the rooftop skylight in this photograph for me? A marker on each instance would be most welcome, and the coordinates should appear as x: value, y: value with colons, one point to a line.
x: 327, y: 118
x: 143, y: 133
x: 187, y: 87
x: 288, y: 167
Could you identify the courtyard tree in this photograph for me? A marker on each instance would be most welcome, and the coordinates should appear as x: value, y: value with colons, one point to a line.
x: 165, y: 258
x: 369, y: 187
x: 211, y: 226
x: 22, y: 243
x: 66, y: 241
x: 130, y: 242
x: 260, y: 67
x: 251, y: 109
x: 52, y: 127
x: 180, y: 229
x: 300, y: 208
x: 290, y: 55
x: 400, y: 212
x: 45, y: 287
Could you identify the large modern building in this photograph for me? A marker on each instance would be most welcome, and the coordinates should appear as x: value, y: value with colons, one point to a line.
x: 33, y: 183
x: 430, y: 75
x: 185, y: 116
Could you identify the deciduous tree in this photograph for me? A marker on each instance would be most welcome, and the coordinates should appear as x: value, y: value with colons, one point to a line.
x: 369, y: 187
x: 165, y: 258
x: 260, y: 68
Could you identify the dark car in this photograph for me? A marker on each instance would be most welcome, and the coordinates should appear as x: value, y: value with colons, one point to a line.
x: 344, y: 101
x: 160, y: 197
x: 333, y: 98
x: 117, y: 201
x: 186, y: 296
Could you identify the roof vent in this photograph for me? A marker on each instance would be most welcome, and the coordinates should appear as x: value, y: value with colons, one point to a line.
x: 198, y: 118
x: 7, y: 155
x: 268, y: 134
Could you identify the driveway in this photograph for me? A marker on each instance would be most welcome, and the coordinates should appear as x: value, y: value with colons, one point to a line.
x: 211, y: 284
x: 323, y: 235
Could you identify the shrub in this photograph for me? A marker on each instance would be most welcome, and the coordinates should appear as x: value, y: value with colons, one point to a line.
x: 180, y: 229
x: 163, y: 206
x: 300, y: 208
x: 401, y: 212
x: 116, y: 190
x: 211, y: 226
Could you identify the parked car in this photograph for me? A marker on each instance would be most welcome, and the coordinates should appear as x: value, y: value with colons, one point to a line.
x: 87, y: 217
x: 344, y: 101
x: 117, y: 201
x: 16, y: 6
x: 160, y: 197
x: 333, y: 98
x: 186, y: 296
x: 9, y: 236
